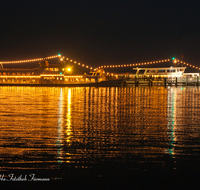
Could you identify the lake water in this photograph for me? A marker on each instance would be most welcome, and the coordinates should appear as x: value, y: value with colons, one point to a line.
x: 101, y: 137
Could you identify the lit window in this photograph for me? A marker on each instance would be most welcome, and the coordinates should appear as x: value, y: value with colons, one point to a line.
x: 61, y: 78
x: 55, y: 69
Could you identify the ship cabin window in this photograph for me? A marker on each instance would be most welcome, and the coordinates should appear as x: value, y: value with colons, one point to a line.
x: 171, y: 71
x: 151, y: 71
x: 161, y: 71
x: 134, y: 72
x: 60, y: 78
x: 55, y: 69
x: 141, y: 71
x: 4, y: 73
x: 14, y: 74
x: 46, y: 69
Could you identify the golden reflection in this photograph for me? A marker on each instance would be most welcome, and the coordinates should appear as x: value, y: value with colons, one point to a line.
x: 68, y: 118
x: 84, y: 124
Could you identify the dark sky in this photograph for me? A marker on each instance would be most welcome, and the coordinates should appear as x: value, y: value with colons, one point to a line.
x: 100, y: 32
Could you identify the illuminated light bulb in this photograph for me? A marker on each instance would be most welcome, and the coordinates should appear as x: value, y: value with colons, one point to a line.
x: 127, y: 65
x: 196, y: 67
x: 87, y: 66
x: 74, y: 61
x: 130, y: 64
x: 104, y: 66
x: 67, y: 59
x: 90, y: 67
x: 136, y: 64
x: 147, y: 62
x: 118, y: 65
x: 165, y: 60
x: 193, y: 66
x: 133, y: 64
x: 159, y: 61
x: 156, y: 61
x: 101, y: 66
x: 115, y: 65
x: 141, y: 63
x: 187, y: 64
x: 107, y: 66
x: 190, y: 65
x: 153, y: 61
x: 71, y: 60
x: 150, y: 62
x: 183, y: 62
x: 79, y: 63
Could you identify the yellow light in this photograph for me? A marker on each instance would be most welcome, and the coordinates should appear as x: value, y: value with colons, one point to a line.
x: 68, y: 69
x: 74, y: 61
x: 61, y: 59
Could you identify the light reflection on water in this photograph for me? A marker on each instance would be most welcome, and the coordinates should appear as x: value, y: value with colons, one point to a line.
x: 50, y: 128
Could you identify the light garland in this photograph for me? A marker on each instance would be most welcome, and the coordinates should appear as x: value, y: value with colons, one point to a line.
x: 30, y: 60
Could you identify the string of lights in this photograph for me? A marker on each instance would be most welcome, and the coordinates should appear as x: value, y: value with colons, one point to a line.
x: 186, y: 64
x: 30, y: 60
x: 103, y: 66
x: 133, y: 64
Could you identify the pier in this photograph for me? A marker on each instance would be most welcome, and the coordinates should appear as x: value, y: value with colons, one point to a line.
x: 163, y: 81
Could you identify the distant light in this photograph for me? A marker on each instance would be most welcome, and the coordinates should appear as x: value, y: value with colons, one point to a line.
x: 173, y: 58
x: 61, y: 73
x: 69, y: 69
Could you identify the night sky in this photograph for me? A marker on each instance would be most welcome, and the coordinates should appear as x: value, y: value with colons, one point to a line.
x: 100, y: 32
